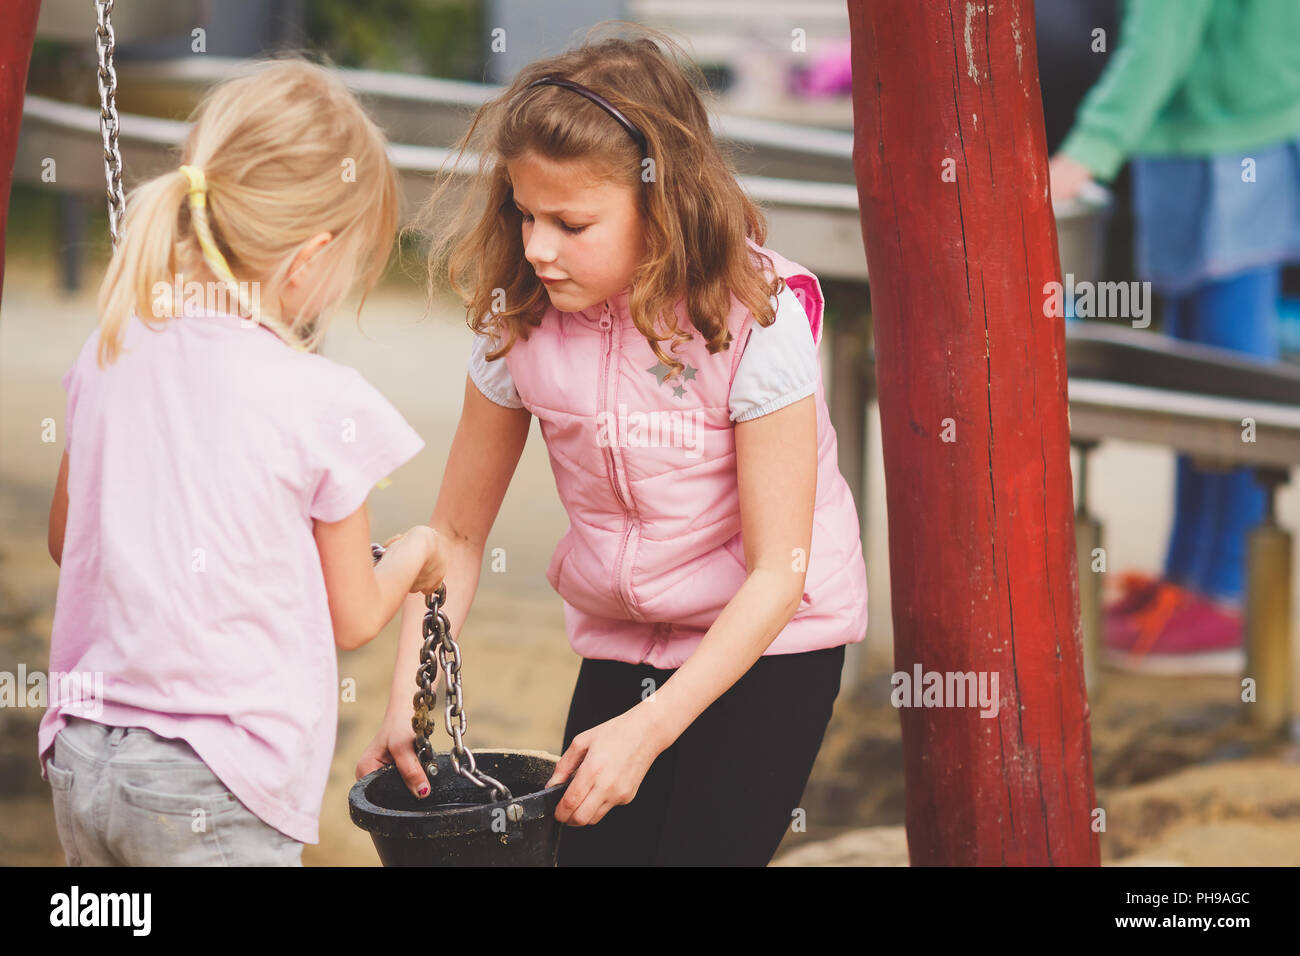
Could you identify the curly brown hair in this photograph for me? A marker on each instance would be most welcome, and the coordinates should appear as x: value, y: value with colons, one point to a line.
x: 696, y: 216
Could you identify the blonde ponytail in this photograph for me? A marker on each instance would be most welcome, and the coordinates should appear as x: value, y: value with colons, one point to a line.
x: 141, y: 261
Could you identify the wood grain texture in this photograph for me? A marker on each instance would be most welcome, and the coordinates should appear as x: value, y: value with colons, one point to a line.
x: 17, y: 33
x: 981, y: 534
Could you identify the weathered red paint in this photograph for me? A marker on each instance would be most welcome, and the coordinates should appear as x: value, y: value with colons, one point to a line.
x: 17, y: 33
x: 981, y: 534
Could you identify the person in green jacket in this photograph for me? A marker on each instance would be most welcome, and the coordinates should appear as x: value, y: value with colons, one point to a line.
x: 1204, y: 97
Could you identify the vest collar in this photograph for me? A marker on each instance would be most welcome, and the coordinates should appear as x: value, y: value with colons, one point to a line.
x: 616, y: 305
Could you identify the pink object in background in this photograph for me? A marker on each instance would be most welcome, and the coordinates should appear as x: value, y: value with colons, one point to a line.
x: 829, y: 74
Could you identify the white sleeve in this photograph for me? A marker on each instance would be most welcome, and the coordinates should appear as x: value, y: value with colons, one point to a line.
x: 779, y: 365
x: 492, y: 378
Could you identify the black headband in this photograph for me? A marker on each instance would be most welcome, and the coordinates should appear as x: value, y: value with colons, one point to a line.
x: 600, y: 101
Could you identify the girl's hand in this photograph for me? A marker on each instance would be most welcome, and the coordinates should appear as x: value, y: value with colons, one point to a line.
x: 435, y: 565
x: 434, y: 569
x: 395, y: 743
x: 611, y: 760
x: 1068, y: 177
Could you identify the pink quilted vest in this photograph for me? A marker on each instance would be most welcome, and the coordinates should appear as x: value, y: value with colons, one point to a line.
x: 646, y: 469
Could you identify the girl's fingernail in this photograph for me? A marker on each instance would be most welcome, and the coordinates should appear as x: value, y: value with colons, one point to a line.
x: 424, y: 791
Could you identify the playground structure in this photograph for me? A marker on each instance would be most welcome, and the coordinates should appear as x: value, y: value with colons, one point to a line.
x: 808, y: 192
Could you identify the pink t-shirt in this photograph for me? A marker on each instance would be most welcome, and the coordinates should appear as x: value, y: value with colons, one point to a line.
x: 191, y: 586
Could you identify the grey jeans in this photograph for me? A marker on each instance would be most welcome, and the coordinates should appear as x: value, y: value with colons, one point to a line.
x: 124, y: 796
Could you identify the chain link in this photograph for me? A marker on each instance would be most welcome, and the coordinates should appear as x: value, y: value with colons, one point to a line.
x: 438, y: 641
x: 106, y: 80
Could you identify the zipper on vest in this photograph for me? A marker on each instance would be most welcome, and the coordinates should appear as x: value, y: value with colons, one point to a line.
x: 607, y: 329
x: 659, y: 634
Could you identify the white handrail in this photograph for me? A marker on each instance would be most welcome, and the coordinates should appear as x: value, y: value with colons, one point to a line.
x: 412, y: 159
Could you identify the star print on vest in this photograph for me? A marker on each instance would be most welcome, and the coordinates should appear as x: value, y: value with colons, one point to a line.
x: 660, y: 371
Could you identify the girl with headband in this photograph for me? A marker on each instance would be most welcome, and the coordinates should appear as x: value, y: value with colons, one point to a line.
x: 712, y: 572
x: 210, y: 518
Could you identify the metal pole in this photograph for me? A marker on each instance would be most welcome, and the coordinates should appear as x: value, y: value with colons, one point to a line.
x: 1267, y: 613
x: 1088, y: 538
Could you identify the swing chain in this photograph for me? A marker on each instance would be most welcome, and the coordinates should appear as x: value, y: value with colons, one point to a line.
x: 436, y: 631
x: 437, y: 634
x: 106, y: 80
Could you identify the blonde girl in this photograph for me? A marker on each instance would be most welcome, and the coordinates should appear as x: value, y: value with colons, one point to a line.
x: 210, y: 517
x: 712, y: 572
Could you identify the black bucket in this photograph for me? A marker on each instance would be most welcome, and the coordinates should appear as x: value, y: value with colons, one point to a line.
x: 457, y: 824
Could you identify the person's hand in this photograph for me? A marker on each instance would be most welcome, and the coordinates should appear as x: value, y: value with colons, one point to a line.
x: 395, y: 743
x: 1068, y: 177
x: 611, y: 760
x: 435, y: 564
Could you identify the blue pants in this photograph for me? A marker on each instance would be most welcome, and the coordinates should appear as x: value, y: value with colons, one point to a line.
x: 1214, y: 510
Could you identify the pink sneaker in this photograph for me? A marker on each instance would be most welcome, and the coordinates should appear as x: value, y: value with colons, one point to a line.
x: 1161, y: 628
x: 1121, y: 620
x: 1136, y: 590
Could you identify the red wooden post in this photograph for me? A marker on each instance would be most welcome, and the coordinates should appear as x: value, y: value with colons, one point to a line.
x: 17, y: 33
x: 951, y: 165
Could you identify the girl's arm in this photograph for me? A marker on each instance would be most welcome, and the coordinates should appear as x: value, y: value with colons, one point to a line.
x: 59, y: 512
x: 776, y: 464
x: 776, y: 468
x: 364, y: 596
x: 484, y: 454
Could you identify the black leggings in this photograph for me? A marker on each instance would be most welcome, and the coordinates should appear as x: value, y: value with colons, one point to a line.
x: 724, y: 793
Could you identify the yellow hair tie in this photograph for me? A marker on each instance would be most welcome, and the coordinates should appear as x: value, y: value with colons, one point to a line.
x: 198, y: 196
x: 198, y: 182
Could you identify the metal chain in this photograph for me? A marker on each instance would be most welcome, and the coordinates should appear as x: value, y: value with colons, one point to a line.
x: 106, y: 79
x: 438, y: 640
